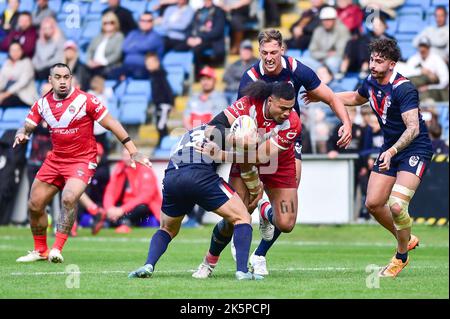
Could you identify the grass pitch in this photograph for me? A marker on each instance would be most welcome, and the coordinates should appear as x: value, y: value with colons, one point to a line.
x: 311, y: 262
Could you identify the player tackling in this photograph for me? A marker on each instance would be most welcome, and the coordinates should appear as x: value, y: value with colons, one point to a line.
x: 70, y: 114
x: 405, y: 153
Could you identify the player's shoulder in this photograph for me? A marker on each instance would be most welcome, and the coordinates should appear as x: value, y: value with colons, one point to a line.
x: 294, y: 120
x: 402, y: 85
x: 253, y: 73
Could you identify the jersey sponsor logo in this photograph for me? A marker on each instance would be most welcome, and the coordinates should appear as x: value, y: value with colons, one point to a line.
x: 291, y: 135
x: 59, y: 104
x: 80, y: 172
x: 413, y: 160
x: 64, y: 131
x: 98, y: 108
x: 95, y: 100
x: 239, y: 105
x: 267, y: 123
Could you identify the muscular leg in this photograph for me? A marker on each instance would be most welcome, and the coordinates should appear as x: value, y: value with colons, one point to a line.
x: 40, y: 196
x: 411, y: 182
x: 378, y: 192
x: 71, y: 194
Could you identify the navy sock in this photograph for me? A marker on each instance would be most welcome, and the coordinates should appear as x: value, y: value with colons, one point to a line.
x: 403, y: 257
x: 158, y: 246
x: 270, y: 215
x: 218, y: 241
x: 264, y: 246
x: 242, y: 241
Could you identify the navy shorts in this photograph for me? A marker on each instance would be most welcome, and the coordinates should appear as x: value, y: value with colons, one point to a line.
x: 189, y: 185
x: 413, y: 161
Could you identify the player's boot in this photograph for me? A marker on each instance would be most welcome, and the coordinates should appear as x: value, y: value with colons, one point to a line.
x: 33, y: 255
x: 55, y: 256
x: 99, y: 221
x: 145, y: 271
x: 413, y: 242
x: 258, y: 264
x: 266, y: 229
x: 204, y: 270
x: 394, y: 268
x: 240, y: 275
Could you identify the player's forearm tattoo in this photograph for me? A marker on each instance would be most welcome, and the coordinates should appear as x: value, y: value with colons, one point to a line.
x: 67, y: 218
x: 411, y: 120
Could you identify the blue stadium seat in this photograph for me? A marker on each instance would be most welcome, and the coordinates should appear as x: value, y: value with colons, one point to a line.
x: 151, y: 5
x: 98, y: 6
x: 14, y: 117
x: 55, y: 5
x: 410, y: 24
x: 407, y: 49
x: 133, y: 109
x: 166, y: 146
x: 440, y: 3
x: 113, y: 107
x: 183, y: 59
x: 421, y: 3
x: 135, y: 6
x: 176, y: 81
x: 91, y: 29
x: 410, y: 11
x: 404, y: 37
x: 120, y: 88
x: 392, y: 26
x: 139, y: 87
x: 69, y: 32
x: 349, y: 83
x: 1, y: 113
x: 295, y: 53
x: 3, y: 57
x: 26, y: 5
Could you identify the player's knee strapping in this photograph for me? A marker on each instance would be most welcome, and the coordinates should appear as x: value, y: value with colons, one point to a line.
x: 251, y: 180
x: 401, y: 220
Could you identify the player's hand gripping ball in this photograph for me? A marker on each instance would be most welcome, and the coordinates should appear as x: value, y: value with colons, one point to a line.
x: 245, y: 133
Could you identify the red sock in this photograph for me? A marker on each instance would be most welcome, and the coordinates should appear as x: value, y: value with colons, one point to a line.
x: 60, y: 240
x: 263, y: 210
x: 40, y: 243
x: 212, y: 260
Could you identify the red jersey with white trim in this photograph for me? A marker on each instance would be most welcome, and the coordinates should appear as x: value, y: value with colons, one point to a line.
x: 71, y: 123
x: 282, y: 135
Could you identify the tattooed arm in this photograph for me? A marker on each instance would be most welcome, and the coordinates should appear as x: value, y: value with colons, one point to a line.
x: 411, y: 120
x: 23, y: 134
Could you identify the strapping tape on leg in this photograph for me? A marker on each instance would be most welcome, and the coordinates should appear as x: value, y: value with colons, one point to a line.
x: 402, y: 220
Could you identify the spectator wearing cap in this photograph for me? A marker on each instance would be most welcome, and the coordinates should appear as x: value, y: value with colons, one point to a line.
x: 233, y: 73
x: 17, y: 86
x: 24, y: 33
x: 125, y: 16
x: 350, y: 15
x: 207, y: 33
x: 428, y: 72
x: 329, y: 39
x: 49, y: 48
x: 42, y: 11
x: 302, y: 30
x: 79, y: 70
x: 137, y: 44
x: 438, y: 35
x: 203, y: 106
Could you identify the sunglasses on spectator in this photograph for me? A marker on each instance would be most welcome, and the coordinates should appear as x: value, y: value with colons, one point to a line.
x: 146, y: 20
x: 108, y: 22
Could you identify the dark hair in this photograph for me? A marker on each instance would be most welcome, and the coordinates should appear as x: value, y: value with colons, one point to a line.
x: 21, y: 47
x: 386, y: 48
x: 435, y: 129
x: 60, y: 65
x: 25, y: 13
x: 262, y: 90
x: 441, y: 8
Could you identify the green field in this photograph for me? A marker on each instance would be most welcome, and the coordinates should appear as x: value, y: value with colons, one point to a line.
x: 310, y: 262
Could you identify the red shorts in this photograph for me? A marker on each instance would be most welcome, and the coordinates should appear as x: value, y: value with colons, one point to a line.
x: 57, y: 172
x: 284, y: 177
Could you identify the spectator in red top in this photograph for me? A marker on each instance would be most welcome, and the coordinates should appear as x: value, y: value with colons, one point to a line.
x: 25, y: 34
x: 350, y: 14
x: 131, y: 195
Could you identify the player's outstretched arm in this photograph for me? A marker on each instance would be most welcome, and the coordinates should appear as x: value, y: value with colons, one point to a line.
x: 323, y: 93
x: 23, y: 134
x: 121, y: 134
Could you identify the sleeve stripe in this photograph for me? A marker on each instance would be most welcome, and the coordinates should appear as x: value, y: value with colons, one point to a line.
x: 103, y: 115
x: 251, y: 75
x: 278, y: 145
x: 230, y: 113
x: 30, y: 121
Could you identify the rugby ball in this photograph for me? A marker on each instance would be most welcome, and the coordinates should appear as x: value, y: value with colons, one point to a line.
x: 243, y: 125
